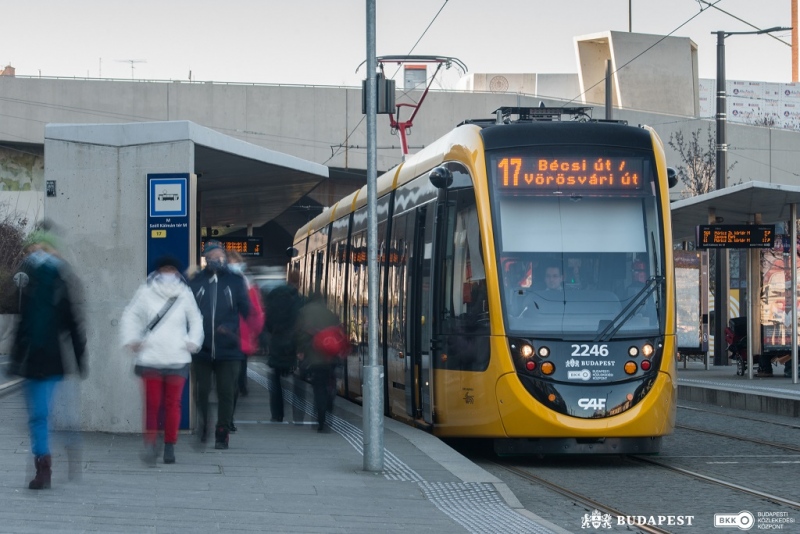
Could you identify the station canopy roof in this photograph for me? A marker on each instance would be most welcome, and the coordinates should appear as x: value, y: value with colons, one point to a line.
x: 239, y: 183
x: 737, y: 204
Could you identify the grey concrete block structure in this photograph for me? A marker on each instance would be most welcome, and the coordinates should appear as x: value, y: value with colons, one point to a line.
x: 101, y: 205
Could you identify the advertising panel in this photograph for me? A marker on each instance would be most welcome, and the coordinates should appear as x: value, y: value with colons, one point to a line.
x: 776, y: 296
x: 688, y: 289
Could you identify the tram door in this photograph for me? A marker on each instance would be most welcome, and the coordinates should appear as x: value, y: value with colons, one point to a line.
x: 420, y: 373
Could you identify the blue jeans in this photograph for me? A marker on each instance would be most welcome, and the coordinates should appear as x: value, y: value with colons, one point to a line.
x: 39, y: 394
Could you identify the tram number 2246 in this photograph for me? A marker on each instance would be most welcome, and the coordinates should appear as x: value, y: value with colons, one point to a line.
x: 590, y: 350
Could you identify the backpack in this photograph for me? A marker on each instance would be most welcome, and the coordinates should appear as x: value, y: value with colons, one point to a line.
x: 332, y: 342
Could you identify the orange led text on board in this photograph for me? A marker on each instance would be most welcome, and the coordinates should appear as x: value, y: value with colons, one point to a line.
x: 601, y: 172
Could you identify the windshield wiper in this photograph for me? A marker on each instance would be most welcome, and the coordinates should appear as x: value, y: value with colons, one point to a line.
x: 632, y: 307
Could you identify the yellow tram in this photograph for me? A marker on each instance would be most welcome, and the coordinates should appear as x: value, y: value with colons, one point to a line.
x: 526, y: 284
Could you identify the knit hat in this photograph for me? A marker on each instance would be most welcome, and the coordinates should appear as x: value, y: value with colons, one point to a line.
x: 169, y: 261
x: 41, y: 237
x: 212, y: 244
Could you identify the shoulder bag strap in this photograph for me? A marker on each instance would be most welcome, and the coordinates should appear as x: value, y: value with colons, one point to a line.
x: 161, y: 313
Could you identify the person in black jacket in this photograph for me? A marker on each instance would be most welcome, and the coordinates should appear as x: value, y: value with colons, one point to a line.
x: 222, y: 297
x: 48, y: 311
x: 283, y: 304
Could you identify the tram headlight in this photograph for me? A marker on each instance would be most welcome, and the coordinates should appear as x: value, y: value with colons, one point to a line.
x: 648, y: 350
x: 544, y: 352
x: 548, y: 368
x: 526, y: 351
x: 630, y: 367
x: 633, y: 352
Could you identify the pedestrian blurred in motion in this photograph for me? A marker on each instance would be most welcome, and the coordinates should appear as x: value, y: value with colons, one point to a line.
x: 249, y: 328
x: 321, y: 343
x: 222, y: 298
x: 48, y: 316
x: 283, y: 304
x: 163, y: 327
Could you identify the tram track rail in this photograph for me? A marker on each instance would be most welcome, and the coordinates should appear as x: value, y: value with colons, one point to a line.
x: 725, y: 484
x: 782, y: 446
x: 739, y: 416
x: 583, y: 500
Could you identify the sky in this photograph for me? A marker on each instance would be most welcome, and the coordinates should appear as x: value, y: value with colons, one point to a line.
x: 323, y: 42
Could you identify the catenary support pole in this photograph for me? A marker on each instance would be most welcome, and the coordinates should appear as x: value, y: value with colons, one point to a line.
x: 793, y: 252
x: 720, y: 271
x: 373, y: 371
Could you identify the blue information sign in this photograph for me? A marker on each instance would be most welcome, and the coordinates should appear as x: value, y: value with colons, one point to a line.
x: 169, y: 233
x: 168, y: 218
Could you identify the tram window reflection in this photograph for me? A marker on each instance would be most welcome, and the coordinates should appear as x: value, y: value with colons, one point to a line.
x: 467, y: 324
x: 594, y: 263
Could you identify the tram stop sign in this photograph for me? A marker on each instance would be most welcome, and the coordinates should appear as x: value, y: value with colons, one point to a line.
x: 735, y: 236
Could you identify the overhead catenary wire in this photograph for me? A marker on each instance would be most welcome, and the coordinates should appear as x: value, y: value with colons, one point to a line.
x: 709, y: 4
x: 343, y: 144
x: 640, y: 54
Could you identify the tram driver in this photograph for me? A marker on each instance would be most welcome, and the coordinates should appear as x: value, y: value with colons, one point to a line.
x: 553, y: 278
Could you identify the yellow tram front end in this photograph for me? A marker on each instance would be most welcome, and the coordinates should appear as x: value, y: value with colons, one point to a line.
x: 576, y: 251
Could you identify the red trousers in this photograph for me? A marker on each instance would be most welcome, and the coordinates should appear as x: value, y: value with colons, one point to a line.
x: 162, y: 392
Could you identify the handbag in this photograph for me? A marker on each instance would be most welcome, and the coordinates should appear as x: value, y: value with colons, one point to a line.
x: 331, y: 342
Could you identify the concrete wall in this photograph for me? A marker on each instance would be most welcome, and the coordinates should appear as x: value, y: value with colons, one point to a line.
x: 313, y: 122
x: 665, y: 82
x: 101, y: 204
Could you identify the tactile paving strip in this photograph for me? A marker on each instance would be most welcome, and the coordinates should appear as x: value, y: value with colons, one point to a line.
x: 478, y: 507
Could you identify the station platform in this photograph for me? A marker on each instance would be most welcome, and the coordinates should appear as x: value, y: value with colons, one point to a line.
x: 275, y: 477
x: 721, y: 386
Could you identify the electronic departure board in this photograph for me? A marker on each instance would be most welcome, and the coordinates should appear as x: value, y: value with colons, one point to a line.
x: 569, y: 173
x: 735, y: 236
x: 246, y: 246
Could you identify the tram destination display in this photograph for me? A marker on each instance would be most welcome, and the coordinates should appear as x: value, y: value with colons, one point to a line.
x: 246, y: 246
x: 566, y: 173
x: 735, y: 236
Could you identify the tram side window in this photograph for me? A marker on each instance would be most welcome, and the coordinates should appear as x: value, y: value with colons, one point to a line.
x: 466, y: 301
x: 358, y: 300
x: 336, y: 278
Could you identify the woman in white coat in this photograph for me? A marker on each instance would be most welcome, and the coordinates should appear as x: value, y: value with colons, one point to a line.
x: 163, y: 327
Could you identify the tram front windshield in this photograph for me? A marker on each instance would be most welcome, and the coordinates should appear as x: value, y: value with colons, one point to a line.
x: 579, y: 243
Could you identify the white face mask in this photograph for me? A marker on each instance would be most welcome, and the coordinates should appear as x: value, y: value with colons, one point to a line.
x: 237, y: 267
x: 168, y: 278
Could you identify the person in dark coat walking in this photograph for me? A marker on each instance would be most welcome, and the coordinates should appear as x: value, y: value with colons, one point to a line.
x: 283, y: 304
x: 222, y: 297
x: 48, y: 312
x: 313, y: 318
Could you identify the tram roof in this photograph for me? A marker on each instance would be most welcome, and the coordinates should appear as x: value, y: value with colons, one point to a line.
x: 737, y: 204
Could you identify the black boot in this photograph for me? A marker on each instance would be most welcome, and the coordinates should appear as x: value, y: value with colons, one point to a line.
x: 43, y: 473
x: 169, y: 453
x: 221, y: 438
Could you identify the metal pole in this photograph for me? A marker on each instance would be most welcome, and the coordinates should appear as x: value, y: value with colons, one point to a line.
x: 722, y: 148
x: 372, y: 411
x: 750, y: 316
x: 720, y: 280
x: 793, y: 252
x: 609, y: 95
x: 630, y: 16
